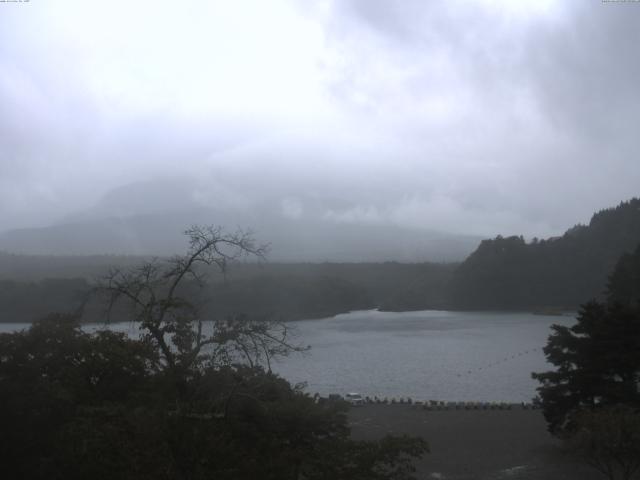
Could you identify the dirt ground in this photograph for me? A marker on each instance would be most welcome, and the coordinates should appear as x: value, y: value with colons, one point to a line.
x: 475, y: 444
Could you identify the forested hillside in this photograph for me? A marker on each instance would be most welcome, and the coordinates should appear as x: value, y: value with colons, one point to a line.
x: 562, y: 272
x: 503, y: 273
x: 283, y: 291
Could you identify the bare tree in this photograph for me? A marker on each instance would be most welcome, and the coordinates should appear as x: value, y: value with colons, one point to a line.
x: 169, y: 317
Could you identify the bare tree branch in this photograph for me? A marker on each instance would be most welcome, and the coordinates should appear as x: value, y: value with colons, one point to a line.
x: 172, y: 322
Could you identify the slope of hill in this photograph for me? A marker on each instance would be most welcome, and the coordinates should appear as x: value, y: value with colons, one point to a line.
x: 563, y: 272
x: 290, y: 241
x: 149, y: 218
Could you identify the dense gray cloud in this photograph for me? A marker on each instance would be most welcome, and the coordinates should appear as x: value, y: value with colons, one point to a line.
x: 480, y: 117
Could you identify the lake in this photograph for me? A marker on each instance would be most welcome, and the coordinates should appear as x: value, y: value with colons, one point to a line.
x: 438, y: 355
x: 425, y: 355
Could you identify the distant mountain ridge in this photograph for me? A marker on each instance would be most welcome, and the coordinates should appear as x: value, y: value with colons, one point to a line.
x: 505, y: 273
x: 561, y: 272
x: 289, y: 240
x: 148, y: 218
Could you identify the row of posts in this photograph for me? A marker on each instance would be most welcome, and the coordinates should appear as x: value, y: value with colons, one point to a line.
x: 436, y: 404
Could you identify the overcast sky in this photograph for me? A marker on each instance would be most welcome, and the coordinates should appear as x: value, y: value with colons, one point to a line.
x: 478, y: 117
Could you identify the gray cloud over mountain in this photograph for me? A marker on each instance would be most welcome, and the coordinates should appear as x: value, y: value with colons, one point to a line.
x: 480, y: 117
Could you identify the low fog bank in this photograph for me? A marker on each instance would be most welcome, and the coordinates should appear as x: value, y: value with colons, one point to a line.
x: 149, y: 218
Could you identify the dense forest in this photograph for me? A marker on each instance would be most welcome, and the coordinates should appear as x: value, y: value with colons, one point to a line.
x: 561, y: 272
x: 506, y: 273
x: 282, y: 291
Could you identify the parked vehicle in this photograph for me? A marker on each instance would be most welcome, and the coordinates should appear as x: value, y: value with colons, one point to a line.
x: 354, y: 398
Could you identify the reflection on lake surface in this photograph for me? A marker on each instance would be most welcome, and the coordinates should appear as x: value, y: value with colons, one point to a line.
x: 438, y: 355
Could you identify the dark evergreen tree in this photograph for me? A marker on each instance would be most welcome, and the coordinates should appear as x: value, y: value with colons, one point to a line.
x: 624, y: 283
x: 598, y: 359
x: 557, y: 273
x: 608, y: 439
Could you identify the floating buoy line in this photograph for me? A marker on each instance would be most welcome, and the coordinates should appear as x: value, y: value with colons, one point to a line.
x: 506, y: 359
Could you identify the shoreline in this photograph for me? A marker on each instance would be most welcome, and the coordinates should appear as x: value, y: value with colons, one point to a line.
x: 539, y: 311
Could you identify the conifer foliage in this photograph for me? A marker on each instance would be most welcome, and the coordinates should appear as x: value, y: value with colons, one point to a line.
x: 597, y: 360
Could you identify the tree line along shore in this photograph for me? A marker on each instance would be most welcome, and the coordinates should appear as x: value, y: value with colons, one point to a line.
x: 552, y: 275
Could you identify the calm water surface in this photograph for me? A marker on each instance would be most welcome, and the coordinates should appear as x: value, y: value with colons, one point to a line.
x: 437, y: 355
x: 451, y: 356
